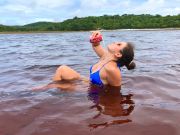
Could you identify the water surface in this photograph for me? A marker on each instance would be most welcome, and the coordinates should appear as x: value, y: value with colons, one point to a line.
x: 148, y: 102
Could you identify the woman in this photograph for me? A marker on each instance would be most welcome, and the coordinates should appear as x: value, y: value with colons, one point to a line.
x: 106, y: 71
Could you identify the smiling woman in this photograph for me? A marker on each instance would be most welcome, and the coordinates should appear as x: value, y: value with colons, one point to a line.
x: 107, y: 70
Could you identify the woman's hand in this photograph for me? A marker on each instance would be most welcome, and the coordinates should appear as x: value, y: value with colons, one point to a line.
x: 96, y: 38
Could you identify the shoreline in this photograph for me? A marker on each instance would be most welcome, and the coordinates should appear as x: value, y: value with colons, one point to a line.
x: 31, y: 32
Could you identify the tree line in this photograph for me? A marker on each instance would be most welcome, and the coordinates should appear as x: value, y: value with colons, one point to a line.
x: 107, y: 22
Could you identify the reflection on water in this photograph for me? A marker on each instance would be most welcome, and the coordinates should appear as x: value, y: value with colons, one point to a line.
x: 110, y: 101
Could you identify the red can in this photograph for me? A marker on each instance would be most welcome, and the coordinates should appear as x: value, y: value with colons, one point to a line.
x: 96, y: 39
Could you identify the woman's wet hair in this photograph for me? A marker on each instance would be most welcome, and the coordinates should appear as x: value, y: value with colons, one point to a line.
x: 127, y: 57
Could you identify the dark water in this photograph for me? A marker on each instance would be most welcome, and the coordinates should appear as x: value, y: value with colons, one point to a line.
x: 148, y: 103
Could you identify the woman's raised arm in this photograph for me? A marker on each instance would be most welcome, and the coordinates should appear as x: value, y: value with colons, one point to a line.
x: 95, y: 39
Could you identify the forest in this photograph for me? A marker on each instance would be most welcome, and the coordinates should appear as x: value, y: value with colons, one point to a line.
x: 106, y: 22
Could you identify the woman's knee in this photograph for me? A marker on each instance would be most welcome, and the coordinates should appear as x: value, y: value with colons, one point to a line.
x: 68, y: 73
x: 62, y: 68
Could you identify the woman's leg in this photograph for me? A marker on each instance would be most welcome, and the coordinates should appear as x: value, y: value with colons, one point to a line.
x: 63, y: 86
x: 63, y: 73
x: 66, y: 73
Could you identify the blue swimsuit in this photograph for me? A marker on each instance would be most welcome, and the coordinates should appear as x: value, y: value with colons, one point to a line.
x: 95, y: 77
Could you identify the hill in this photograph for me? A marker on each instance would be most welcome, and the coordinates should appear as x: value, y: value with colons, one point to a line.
x: 107, y: 22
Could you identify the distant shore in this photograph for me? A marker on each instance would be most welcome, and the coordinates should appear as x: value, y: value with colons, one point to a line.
x: 29, y: 32
x: 104, y: 23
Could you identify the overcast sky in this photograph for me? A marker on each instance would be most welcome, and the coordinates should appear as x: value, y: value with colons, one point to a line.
x: 20, y: 12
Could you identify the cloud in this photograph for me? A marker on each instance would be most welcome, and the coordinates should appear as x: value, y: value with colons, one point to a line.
x: 19, y: 12
x: 100, y: 7
x: 18, y: 9
x: 163, y: 7
x: 53, y: 3
x: 150, y: 6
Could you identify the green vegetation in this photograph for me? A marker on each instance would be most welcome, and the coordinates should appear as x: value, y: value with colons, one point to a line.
x: 126, y: 21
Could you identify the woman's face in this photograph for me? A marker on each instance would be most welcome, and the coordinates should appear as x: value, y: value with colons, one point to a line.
x: 115, y: 47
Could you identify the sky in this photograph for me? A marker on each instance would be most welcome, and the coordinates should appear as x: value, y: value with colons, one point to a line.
x: 21, y: 12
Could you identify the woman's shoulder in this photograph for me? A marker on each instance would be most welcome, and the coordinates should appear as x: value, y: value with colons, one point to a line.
x: 112, y: 68
x: 113, y: 74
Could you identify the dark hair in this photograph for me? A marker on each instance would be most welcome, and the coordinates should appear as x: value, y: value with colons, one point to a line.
x: 127, y: 57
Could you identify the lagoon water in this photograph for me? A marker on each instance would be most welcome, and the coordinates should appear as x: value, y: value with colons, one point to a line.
x: 148, y: 102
